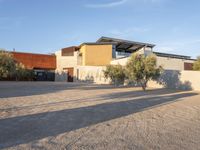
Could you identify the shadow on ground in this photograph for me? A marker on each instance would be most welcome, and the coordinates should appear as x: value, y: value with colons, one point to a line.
x: 24, y: 129
x: 127, y: 94
x: 17, y: 89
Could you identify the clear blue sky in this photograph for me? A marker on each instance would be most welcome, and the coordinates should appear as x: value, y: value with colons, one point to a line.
x: 47, y: 25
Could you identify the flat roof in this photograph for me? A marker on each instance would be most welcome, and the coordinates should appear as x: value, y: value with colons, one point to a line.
x: 96, y: 43
x: 173, y: 56
x: 109, y: 39
x: 50, y: 54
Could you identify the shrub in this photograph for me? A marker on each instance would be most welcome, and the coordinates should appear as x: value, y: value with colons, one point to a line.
x: 196, y: 65
x: 7, y: 65
x: 141, y: 69
x: 116, y: 73
x: 12, y: 70
x: 23, y: 74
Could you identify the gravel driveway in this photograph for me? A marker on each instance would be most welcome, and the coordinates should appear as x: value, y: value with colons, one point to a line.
x: 53, y: 115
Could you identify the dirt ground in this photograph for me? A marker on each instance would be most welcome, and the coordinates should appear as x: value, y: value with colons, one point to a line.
x: 52, y: 115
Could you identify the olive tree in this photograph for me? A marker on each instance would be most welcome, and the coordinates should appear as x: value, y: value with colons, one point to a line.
x: 141, y: 69
x: 12, y: 70
x: 23, y: 74
x: 116, y: 73
x: 196, y: 65
x: 7, y: 65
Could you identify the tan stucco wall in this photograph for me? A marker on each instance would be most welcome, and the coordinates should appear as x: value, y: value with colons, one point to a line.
x: 64, y: 62
x: 91, y: 74
x: 120, y: 61
x: 192, y: 77
x: 186, y: 80
x: 172, y: 63
x: 96, y: 55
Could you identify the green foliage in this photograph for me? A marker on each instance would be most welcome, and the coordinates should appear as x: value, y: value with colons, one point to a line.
x: 116, y: 73
x: 196, y: 65
x: 7, y: 65
x: 11, y: 70
x: 142, y: 68
x: 23, y: 74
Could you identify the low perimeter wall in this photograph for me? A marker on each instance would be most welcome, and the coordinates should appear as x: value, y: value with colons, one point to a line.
x: 91, y: 74
x: 184, y: 80
x: 173, y: 79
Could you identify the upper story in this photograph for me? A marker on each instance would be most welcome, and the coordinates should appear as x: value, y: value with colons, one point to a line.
x: 100, y: 53
x: 107, y: 51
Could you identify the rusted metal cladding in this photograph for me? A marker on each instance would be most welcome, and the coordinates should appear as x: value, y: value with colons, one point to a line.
x: 35, y: 61
x: 188, y: 66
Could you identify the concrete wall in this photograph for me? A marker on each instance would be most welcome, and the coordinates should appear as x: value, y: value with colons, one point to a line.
x: 166, y: 63
x: 63, y: 62
x: 121, y: 61
x: 96, y: 55
x: 173, y: 79
x: 192, y: 77
x: 172, y: 63
x: 91, y: 74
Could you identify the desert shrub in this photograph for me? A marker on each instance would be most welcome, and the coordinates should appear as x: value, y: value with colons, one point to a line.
x: 23, y: 74
x: 7, y: 65
x: 196, y: 65
x: 141, y: 69
x: 116, y: 73
x: 12, y: 70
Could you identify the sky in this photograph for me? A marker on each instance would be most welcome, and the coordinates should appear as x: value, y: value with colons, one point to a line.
x: 45, y: 26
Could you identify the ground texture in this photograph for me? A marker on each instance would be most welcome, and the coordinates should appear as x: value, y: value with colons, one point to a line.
x: 50, y: 115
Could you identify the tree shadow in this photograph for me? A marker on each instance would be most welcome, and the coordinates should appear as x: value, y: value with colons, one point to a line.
x: 17, y: 89
x: 171, y: 79
x: 24, y: 129
x: 127, y: 94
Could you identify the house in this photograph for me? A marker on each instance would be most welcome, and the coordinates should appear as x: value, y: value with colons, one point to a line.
x: 87, y: 61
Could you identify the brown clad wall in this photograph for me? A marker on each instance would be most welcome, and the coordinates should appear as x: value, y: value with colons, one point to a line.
x: 188, y: 66
x: 37, y: 61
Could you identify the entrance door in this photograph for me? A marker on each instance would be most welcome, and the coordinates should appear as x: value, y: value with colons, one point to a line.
x: 70, y: 74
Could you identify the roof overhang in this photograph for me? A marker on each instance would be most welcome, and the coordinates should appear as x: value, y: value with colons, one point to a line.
x: 124, y: 44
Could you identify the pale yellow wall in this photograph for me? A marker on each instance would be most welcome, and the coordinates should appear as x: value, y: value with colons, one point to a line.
x: 187, y: 80
x: 96, y: 55
x: 91, y: 74
x: 120, y: 61
x: 172, y: 63
x: 192, y: 77
x: 64, y: 62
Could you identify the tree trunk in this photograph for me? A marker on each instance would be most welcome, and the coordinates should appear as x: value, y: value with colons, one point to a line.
x: 144, y: 85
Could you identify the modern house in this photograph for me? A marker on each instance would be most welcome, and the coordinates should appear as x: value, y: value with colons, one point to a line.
x: 86, y: 62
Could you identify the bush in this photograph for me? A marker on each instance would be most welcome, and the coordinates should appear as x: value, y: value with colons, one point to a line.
x: 196, y: 65
x: 7, y: 65
x: 141, y: 69
x: 23, y: 74
x: 116, y: 73
x: 12, y: 70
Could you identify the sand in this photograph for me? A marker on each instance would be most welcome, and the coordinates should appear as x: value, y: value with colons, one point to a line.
x: 53, y: 115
